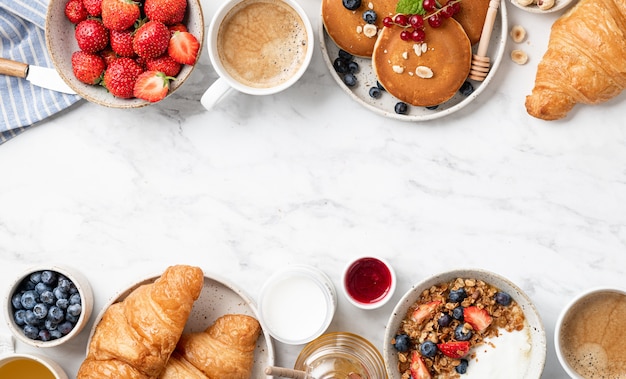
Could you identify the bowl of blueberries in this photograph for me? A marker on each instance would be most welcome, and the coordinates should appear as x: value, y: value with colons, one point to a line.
x: 47, y: 306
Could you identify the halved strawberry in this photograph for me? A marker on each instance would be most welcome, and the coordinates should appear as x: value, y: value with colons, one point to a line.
x: 418, y: 367
x: 183, y: 48
x: 454, y: 349
x: 478, y: 318
x: 425, y: 311
x: 120, y: 14
x: 152, y: 86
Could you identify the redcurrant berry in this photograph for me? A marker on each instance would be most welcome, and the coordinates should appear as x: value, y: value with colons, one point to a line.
x: 416, y: 21
x: 388, y: 22
x: 429, y: 5
x: 405, y: 35
x: 456, y: 6
x: 418, y: 35
x: 401, y: 20
x: 447, y: 11
x: 435, y: 20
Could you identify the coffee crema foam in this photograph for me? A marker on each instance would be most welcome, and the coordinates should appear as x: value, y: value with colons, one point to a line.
x: 593, y: 336
x: 262, y: 43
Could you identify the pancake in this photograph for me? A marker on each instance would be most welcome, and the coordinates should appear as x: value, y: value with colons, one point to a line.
x: 448, y: 56
x: 472, y: 18
x: 346, y: 27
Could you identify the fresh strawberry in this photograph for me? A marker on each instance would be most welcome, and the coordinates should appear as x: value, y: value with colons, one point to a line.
x: 478, y: 318
x: 94, y: 7
x: 454, y: 349
x: 183, y: 47
x: 179, y: 27
x: 152, y: 86
x: 165, y: 64
x: 122, y: 42
x: 87, y: 67
x: 120, y: 77
x: 75, y: 11
x: 166, y: 11
x: 119, y: 14
x: 151, y: 39
x: 425, y: 311
x: 91, y: 35
x: 418, y: 367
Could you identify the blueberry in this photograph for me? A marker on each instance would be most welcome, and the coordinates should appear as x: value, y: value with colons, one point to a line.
x: 349, y: 79
x: 369, y: 16
x: 462, y: 367
x: 444, y: 320
x: 340, y: 65
x: 74, y: 310
x: 457, y: 296
x: 55, y: 334
x: 63, y: 303
x: 503, y: 298
x: 35, y: 277
x: 345, y: 55
x: 462, y: 334
x: 64, y: 284
x: 432, y: 107
x: 75, y: 299
x: 56, y: 314
x: 375, y: 93
x: 428, y: 349
x: 403, y: 343
x: 40, y: 310
x: 466, y: 89
x: 31, y: 332
x: 60, y: 293
x: 16, y: 301
x: 29, y: 299
x: 50, y: 325
x: 65, y: 327
x: 351, y: 4
x: 457, y: 313
x: 71, y: 318
x: 401, y: 108
x: 48, y: 277
x: 42, y: 287
x: 353, y: 67
x: 30, y: 318
x: 19, y: 316
x: 44, y: 335
x: 48, y: 298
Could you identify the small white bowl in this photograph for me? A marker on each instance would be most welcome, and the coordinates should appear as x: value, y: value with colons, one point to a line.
x: 537, y: 337
x: 368, y: 282
x: 23, y: 365
x: 595, y: 338
x: 534, y: 8
x: 82, y: 286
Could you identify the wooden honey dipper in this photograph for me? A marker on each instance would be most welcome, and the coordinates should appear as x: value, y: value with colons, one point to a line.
x: 480, y: 60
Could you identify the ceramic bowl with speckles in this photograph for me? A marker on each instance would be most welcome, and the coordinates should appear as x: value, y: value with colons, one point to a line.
x: 61, y: 44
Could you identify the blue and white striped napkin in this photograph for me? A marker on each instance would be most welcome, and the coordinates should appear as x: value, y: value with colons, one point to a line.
x: 22, y: 39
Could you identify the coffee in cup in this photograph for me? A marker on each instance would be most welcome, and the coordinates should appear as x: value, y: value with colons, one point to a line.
x: 590, y: 336
x: 258, y: 47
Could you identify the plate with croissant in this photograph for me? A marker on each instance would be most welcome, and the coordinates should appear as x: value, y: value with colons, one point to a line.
x: 182, y: 324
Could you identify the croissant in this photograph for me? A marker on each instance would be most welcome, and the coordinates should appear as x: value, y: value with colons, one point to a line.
x: 136, y: 336
x: 585, y: 61
x: 225, y: 350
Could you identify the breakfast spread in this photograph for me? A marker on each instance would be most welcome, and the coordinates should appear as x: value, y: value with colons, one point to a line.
x: 448, y: 329
x: 132, y: 51
x: 585, y: 61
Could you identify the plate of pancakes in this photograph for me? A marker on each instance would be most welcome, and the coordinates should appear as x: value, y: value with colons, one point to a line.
x: 428, y: 78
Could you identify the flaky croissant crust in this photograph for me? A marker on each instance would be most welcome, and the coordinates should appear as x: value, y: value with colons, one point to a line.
x: 585, y: 61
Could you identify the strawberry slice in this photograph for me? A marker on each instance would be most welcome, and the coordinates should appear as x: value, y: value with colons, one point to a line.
x: 418, y: 367
x: 425, y: 311
x: 183, y: 47
x: 152, y: 86
x: 454, y: 349
x: 478, y: 318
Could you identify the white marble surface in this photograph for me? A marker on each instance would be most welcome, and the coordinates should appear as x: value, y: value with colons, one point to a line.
x: 309, y: 176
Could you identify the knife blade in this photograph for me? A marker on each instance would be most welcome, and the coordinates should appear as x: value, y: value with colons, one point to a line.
x: 40, y: 76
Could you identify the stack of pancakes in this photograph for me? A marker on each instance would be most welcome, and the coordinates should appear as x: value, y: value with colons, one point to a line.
x: 398, y: 65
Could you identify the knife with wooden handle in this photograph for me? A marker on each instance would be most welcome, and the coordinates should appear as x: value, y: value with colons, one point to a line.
x: 40, y: 76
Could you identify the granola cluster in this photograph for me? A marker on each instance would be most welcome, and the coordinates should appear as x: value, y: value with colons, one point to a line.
x: 455, y: 316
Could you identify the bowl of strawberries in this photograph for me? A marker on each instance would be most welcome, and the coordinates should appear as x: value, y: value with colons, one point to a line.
x: 124, y: 53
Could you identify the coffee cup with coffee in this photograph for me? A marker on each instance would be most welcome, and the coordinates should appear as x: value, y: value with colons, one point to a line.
x: 590, y: 335
x: 14, y: 365
x: 258, y: 47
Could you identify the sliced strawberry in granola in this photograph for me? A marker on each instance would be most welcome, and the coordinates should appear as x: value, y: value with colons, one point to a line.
x: 454, y: 349
x: 418, y: 367
x: 478, y: 318
x: 425, y: 311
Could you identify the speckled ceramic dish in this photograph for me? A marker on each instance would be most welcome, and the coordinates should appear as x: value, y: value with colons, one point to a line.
x: 537, y: 338
x: 218, y: 297
x: 61, y: 44
x: 385, y: 104
x: 534, y: 8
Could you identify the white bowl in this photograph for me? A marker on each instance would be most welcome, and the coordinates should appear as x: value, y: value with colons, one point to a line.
x: 61, y: 44
x: 86, y: 296
x: 535, y: 327
x: 533, y: 8
x: 368, y: 282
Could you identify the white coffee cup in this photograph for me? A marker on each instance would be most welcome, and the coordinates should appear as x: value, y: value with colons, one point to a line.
x: 26, y: 365
x: 257, y: 62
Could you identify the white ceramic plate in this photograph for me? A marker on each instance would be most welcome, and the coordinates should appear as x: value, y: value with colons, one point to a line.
x: 385, y: 104
x: 537, y: 331
x: 533, y: 8
x: 218, y: 297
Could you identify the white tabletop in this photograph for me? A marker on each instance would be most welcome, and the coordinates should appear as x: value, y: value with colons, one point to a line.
x: 310, y: 176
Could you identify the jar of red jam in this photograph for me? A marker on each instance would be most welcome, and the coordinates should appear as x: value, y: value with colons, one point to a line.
x: 369, y: 282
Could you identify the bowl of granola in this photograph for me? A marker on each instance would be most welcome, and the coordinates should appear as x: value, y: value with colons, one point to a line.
x: 466, y: 323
